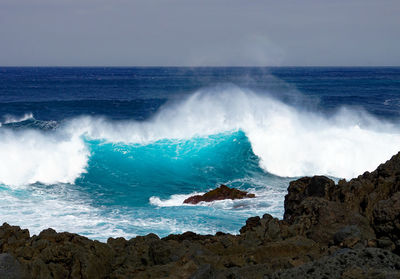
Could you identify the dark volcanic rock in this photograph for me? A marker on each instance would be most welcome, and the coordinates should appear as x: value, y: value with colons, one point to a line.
x: 11, y: 268
x: 348, y: 263
x: 221, y: 193
x: 349, y: 230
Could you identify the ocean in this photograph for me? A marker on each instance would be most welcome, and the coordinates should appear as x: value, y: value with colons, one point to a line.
x: 108, y: 152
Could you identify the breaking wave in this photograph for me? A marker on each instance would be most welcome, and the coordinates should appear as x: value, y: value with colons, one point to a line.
x: 32, y: 156
x: 12, y: 119
x: 289, y: 141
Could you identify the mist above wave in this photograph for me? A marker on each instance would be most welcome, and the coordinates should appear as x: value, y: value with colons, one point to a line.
x: 289, y: 141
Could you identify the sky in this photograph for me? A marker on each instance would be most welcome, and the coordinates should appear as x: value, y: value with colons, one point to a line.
x: 199, y: 33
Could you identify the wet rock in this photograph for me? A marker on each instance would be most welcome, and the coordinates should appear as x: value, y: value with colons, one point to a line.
x: 221, y: 193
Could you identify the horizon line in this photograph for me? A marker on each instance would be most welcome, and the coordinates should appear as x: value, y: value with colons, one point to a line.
x: 166, y: 66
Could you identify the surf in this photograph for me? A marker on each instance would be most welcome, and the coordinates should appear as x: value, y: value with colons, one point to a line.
x: 288, y: 141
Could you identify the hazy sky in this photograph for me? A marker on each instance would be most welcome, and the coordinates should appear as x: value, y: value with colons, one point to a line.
x: 199, y: 32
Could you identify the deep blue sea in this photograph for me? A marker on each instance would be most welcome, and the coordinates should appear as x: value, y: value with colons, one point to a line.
x: 108, y: 152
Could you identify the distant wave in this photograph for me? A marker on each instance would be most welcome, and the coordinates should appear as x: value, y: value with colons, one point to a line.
x: 289, y: 141
x: 392, y: 102
x: 27, y: 121
x: 8, y: 119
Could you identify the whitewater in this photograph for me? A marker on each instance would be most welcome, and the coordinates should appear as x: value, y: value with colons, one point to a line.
x: 114, y: 152
x: 288, y: 141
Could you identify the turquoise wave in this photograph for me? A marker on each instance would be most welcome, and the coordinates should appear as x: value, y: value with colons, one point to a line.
x: 114, y: 197
x: 129, y: 175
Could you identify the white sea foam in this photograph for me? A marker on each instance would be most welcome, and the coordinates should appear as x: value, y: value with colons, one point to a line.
x: 68, y: 210
x: 268, y: 199
x: 41, y: 209
x: 32, y: 156
x: 288, y: 140
x: 174, y: 200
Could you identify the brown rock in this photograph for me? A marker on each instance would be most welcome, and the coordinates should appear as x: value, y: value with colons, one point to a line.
x: 221, y: 193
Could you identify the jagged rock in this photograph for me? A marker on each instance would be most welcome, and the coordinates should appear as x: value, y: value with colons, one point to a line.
x: 56, y: 255
x: 299, y: 190
x: 221, y: 193
x: 348, y: 230
x: 11, y: 268
x: 348, y: 263
x: 386, y: 221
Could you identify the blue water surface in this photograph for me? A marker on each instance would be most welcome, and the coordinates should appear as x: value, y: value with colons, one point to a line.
x: 130, y: 189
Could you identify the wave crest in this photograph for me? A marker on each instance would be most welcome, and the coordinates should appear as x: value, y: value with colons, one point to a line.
x: 12, y: 119
x: 288, y: 140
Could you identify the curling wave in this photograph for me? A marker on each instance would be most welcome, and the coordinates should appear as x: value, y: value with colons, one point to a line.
x: 289, y: 141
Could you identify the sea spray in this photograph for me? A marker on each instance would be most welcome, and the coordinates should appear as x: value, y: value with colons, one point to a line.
x: 111, y: 151
x: 288, y: 140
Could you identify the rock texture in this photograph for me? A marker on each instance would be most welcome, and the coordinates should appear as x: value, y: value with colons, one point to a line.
x: 349, y: 230
x: 221, y: 193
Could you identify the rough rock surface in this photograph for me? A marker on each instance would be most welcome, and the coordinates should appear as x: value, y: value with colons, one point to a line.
x: 10, y: 268
x: 348, y: 263
x: 349, y: 230
x: 221, y: 193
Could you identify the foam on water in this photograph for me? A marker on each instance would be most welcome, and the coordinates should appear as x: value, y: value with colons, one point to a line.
x: 288, y: 140
x: 100, y: 177
x: 30, y: 156
x: 103, y: 178
x: 174, y: 200
x: 65, y: 209
x: 268, y: 199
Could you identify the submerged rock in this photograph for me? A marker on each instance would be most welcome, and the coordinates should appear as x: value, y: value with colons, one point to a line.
x: 221, y: 193
x: 348, y: 230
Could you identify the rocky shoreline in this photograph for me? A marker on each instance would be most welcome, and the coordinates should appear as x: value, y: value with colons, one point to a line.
x: 348, y: 230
